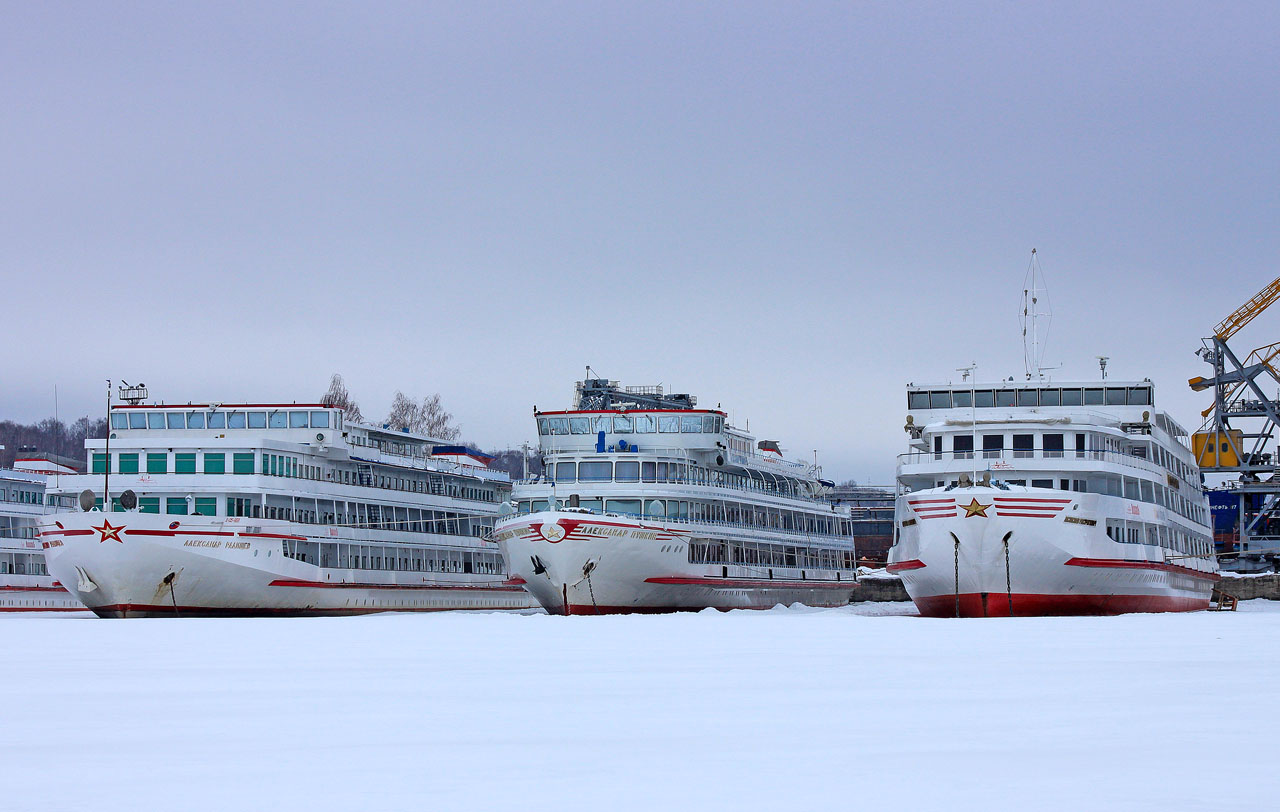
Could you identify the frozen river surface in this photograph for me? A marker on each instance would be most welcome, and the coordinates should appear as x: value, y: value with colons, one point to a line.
x: 782, y: 710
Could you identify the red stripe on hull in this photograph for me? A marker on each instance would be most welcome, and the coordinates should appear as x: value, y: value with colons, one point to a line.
x: 996, y: 604
x: 128, y: 610
x: 912, y: 564
x: 1124, y: 563
x: 43, y: 609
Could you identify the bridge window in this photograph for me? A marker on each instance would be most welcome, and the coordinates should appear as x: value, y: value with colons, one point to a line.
x: 1093, y: 397
x: 137, y: 420
x: 691, y: 424
x: 595, y: 471
x: 710, y: 424
x: 1139, y: 396
x: 939, y: 400
x: 319, y: 420
x: 155, y: 420
x: 962, y: 400
x: 645, y: 424
x: 235, y: 420
x: 1004, y: 397
x: 176, y: 420
x: 119, y: 420
x: 1115, y: 396
x: 195, y: 420
x: 276, y: 420
x: 559, y: 425
x: 917, y: 400
x: 298, y: 420
x: 579, y: 425
x: 217, y: 420
x: 1028, y: 397
x: 1050, y: 397
x: 258, y: 420
x: 984, y: 399
x: 621, y: 424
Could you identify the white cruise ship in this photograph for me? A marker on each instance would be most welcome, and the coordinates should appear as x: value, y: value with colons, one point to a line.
x: 652, y: 505
x: 25, y: 582
x: 1039, y: 497
x: 285, y: 508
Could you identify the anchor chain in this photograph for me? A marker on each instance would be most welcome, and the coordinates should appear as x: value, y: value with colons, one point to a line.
x: 1008, y: 577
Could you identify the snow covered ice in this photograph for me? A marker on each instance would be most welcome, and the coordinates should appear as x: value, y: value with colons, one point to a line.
x: 785, y: 709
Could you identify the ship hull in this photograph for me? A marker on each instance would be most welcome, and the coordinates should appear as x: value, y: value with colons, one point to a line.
x: 157, y: 567
x: 986, y: 553
x: 52, y: 598
x: 576, y: 563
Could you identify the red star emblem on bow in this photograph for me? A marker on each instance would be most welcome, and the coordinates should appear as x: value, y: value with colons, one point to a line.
x: 109, y: 533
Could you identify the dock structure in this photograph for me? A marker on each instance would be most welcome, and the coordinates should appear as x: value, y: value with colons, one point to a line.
x: 1238, y: 437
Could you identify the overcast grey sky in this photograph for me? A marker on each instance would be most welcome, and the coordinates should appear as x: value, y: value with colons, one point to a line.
x: 791, y: 209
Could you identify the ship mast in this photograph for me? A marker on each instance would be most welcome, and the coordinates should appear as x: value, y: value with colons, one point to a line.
x: 1033, y: 289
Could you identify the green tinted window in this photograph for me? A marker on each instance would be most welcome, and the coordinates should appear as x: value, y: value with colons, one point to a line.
x: 99, y: 463
x: 184, y: 463
x: 157, y: 463
x: 128, y: 463
x: 240, y: 464
x: 207, y: 505
x: 215, y: 463
x: 176, y: 505
x: 149, y: 504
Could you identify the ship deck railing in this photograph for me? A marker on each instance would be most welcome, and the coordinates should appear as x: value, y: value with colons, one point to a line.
x: 685, y: 454
x: 809, y: 501
x: 665, y: 520
x: 1128, y: 460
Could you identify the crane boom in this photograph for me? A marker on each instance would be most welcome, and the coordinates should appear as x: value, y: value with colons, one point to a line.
x: 1248, y: 311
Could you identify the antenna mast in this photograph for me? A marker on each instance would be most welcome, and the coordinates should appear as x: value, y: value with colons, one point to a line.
x: 1032, y: 291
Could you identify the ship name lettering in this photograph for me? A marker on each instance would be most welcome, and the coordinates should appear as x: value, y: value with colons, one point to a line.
x: 237, y: 545
x: 201, y: 543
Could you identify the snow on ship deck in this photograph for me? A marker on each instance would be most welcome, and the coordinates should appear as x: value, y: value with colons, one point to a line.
x: 741, y: 710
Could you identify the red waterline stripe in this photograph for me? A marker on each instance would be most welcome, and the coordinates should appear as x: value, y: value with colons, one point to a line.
x: 504, y: 586
x: 1129, y: 564
x: 55, y: 588
x: 910, y: 564
x: 1028, y: 605
x: 744, y: 583
x: 66, y: 532
x: 1028, y: 515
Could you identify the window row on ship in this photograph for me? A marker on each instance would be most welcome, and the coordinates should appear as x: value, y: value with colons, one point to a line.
x: 629, y: 424
x: 12, y: 563
x: 680, y: 473
x: 216, y: 419
x: 284, y: 465
x: 1169, y: 537
x: 341, y: 555
x: 308, y: 510
x: 1030, y: 396
x: 720, y: 512
x: 764, y: 554
x: 1053, y: 445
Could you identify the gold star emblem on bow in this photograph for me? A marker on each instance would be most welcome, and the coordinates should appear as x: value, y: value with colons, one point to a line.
x: 975, y: 508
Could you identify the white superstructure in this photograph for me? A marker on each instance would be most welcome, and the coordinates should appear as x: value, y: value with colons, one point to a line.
x: 649, y: 504
x: 25, y: 582
x: 1042, y: 497
x: 280, y: 508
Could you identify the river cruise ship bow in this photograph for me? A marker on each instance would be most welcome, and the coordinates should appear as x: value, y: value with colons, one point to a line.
x: 649, y: 504
x: 290, y: 509
x: 1040, y: 498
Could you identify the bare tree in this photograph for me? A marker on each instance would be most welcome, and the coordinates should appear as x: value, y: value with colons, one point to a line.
x: 428, y: 417
x: 339, y: 396
x: 436, y: 422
